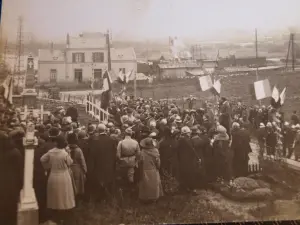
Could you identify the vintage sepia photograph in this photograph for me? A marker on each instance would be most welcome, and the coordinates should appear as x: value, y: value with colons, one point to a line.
x: 134, y: 112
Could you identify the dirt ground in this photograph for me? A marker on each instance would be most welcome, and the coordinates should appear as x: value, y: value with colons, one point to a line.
x: 207, y: 206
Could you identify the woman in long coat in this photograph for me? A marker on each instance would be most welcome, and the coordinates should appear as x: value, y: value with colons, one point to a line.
x: 150, y: 188
x: 222, y: 154
x: 10, y: 180
x: 79, y: 165
x: 60, y: 192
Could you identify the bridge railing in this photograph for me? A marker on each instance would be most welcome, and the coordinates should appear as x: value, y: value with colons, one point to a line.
x: 93, y: 108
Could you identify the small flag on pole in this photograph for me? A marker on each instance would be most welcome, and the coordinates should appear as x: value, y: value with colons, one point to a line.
x: 262, y: 89
x: 275, y: 94
x: 282, y: 96
x: 216, y: 90
x: 205, y: 83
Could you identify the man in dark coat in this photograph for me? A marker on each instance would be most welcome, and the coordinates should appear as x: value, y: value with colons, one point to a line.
x: 10, y: 180
x: 288, y: 139
x: 186, y: 157
x: 102, y: 163
x: 198, y: 146
x: 73, y: 113
x: 241, y: 148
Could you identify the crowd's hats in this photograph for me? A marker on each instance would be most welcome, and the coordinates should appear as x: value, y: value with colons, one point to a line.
x: 195, y: 130
x: 54, y: 132
x: 178, y: 119
x: 297, y: 127
x: 147, y: 143
x: 185, y: 130
x: 286, y: 124
x: 235, y: 125
x: 110, y: 125
x: 269, y: 124
x: 101, y: 128
x: 261, y: 125
x: 128, y: 131
x: 82, y: 134
x: 91, y: 129
x: 221, y: 129
x: 48, y: 126
x: 72, y: 139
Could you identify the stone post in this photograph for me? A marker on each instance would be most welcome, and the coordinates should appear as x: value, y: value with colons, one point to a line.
x: 28, y: 208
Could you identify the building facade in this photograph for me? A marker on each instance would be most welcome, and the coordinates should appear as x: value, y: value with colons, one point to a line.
x: 84, y: 58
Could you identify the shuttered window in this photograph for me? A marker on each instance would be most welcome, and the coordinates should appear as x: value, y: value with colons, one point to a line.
x: 78, y: 57
x: 98, y: 57
x: 53, y: 76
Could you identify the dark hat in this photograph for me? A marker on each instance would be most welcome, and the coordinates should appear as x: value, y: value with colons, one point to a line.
x: 82, y: 134
x: 148, y: 143
x: 128, y: 131
x: 61, y: 142
x: 54, y: 132
x: 195, y: 130
x: 72, y: 139
x: 91, y: 129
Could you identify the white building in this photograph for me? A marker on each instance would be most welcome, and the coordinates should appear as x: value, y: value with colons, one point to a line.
x: 85, y: 57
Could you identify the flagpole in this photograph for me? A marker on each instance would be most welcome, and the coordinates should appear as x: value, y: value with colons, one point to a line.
x: 135, y: 85
x: 256, y: 56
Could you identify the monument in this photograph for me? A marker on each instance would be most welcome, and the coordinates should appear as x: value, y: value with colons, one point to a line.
x: 28, y: 208
x: 29, y: 93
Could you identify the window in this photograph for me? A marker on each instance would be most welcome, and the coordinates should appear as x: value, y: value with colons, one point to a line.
x: 78, y: 75
x: 98, y: 57
x: 78, y: 57
x: 97, y: 74
x: 53, y: 76
x: 122, y: 69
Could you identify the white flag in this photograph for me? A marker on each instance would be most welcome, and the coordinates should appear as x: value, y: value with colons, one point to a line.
x: 262, y: 89
x: 282, y: 96
x: 275, y: 94
x: 205, y: 83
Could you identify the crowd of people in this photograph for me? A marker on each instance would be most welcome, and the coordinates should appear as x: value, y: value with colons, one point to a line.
x: 142, y: 145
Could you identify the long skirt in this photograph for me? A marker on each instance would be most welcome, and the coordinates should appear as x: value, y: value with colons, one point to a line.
x: 60, y: 192
x: 150, y: 187
x: 79, y: 178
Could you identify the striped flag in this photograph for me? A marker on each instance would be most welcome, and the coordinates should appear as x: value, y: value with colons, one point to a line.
x: 262, y: 89
x: 275, y: 94
x: 282, y: 96
x: 106, y: 94
x: 216, y: 90
x: 106, y: 81
x: 205, y: 82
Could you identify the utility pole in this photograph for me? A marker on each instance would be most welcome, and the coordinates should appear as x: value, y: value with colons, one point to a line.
x: 19, y: 50
x: 291, y: 48
x: 293, y: 51
x: 256, y: 54
x: 108, y: 51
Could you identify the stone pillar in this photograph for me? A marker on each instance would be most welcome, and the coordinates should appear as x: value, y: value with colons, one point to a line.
x: 29, y: 93
x: 28, y: 208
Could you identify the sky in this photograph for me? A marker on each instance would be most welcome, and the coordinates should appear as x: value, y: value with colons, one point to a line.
x: 147, y: 19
